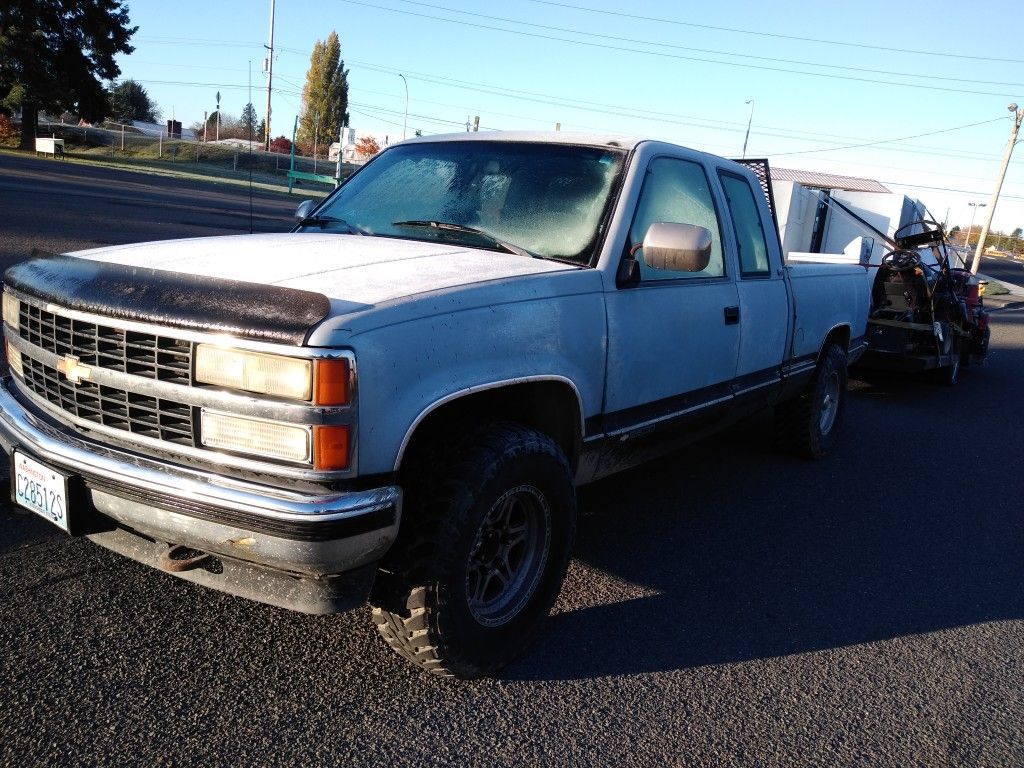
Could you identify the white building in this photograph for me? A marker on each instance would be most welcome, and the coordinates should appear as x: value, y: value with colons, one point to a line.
x: 826, y: 213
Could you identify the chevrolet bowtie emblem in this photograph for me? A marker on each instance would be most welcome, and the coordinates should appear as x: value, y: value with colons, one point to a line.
x: 70, y: 367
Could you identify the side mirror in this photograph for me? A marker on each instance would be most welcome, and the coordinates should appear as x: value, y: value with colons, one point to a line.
x: 305, y: 208
x: 677, y: 247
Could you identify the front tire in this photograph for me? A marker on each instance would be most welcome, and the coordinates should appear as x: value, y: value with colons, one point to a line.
x: 483, y: 553
x: 808, y: 425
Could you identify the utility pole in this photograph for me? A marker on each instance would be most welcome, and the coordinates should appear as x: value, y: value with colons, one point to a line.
x: 270, y: 75
x: 218, y: 116
x: 1018, y: 116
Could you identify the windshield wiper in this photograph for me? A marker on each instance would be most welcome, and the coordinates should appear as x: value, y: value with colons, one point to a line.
x: 323, y: 221
x: 448, y: 226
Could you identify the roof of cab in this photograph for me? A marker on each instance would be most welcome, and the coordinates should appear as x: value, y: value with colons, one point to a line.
x: 549, y: 137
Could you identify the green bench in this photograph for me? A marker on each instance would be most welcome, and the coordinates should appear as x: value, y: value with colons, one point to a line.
x: 294, y: 176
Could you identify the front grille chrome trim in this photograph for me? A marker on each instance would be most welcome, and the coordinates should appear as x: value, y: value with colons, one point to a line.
x: 202, y: 397
x: 92, y: 430
x: 184, y: 393
x: 183, y: 334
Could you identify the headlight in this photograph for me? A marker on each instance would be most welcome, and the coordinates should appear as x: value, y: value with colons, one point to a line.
x: 289, y: 377
x: 272, y: 439
x: 12, y: 310
x: 14, y: 361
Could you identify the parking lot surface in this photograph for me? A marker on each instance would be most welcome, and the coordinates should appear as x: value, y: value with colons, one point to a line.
x: 727, y: 605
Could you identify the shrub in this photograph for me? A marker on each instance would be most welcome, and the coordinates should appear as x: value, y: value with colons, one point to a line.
x: 8, y: 131
x: 281, y: 145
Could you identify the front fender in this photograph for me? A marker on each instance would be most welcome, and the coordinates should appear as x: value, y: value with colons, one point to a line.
x: 409, y: 369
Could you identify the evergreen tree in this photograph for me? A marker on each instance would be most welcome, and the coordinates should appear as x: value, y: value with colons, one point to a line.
x: 130, y: 101
x: 325, y: 95
x: 261, y: 130
x: 54, y: 55
x: 247, y: 122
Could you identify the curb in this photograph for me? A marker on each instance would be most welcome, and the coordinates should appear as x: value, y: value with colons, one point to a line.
x: 1008, y: 307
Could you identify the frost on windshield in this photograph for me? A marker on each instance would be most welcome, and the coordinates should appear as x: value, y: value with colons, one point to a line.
x: 546, y: 198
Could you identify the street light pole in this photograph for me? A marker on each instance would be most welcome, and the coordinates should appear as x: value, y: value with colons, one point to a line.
x: 1018, y: 116
x: 974, y: 211
x: 749, y: 121
x: 405, y: 122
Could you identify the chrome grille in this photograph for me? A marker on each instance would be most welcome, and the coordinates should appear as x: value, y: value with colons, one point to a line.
x: 163, y: 358
x: 156, y: 418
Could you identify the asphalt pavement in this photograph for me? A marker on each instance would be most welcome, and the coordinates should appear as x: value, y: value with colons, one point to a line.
x: 727, y: 605
x: 1008, y: 272
x: 58, y: 206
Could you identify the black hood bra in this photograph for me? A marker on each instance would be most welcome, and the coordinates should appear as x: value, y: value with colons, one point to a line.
x: 174, y: 299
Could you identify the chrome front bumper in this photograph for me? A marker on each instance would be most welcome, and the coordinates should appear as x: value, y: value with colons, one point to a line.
x: 270, y: 544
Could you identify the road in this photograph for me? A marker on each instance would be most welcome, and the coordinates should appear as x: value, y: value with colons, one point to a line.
x: 726, y: 606
x: 58, y: 206
x: 1003, y: 270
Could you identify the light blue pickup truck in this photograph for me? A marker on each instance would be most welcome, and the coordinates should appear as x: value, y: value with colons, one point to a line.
x: 395, y: 402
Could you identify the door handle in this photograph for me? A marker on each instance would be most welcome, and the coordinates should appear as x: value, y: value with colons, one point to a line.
x: 732, y: 315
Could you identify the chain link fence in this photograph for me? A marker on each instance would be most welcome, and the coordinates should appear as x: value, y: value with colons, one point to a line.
x: 227, y: 158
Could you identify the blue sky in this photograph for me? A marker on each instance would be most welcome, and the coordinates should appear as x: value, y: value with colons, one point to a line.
x: 826, y: 78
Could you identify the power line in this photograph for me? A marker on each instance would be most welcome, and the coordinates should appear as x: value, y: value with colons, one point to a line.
x: 674, y: 56
x: 196, y: 41
x: 673, y: 46
x: 888, y: 141
x: 663, y: 117
x: 737, y: 30
x: 947, y: 189
x: 629, y: 113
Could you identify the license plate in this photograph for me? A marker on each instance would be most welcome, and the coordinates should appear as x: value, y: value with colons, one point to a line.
x: 41, y: 489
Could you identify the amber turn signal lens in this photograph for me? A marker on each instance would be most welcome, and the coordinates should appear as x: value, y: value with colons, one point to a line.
x: 331, y: 382
x: 330, y: 447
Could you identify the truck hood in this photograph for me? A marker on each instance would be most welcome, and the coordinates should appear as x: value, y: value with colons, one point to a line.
x: 350, y: 268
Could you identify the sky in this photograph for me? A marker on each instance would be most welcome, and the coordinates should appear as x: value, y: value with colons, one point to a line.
x: 911, y: 94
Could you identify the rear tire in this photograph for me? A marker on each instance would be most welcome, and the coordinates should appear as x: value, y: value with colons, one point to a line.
x: 807, y: 426
x: 482, y: 555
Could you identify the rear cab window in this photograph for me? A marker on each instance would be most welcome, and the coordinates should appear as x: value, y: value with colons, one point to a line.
x: 747, y: 225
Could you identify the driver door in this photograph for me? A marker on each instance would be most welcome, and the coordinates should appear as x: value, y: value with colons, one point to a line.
x: 673, y: 337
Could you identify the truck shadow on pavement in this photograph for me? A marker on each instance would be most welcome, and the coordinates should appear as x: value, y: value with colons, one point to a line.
x: 726, y: 552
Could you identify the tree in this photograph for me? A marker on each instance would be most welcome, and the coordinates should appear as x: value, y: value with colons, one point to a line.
x: 247, y: 122
x: 261, y: 130
x: 325, y: 95
x: 54, y: 55
x: 367, y: 146
x: 129, y: 101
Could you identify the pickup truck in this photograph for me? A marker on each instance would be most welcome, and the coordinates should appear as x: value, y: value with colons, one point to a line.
x: 395, y: 402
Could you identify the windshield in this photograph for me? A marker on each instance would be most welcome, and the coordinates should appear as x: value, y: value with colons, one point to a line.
x: 546, y: 199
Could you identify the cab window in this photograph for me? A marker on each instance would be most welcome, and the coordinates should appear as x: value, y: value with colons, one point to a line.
x: 676, y: 191
x: 746, y: 218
